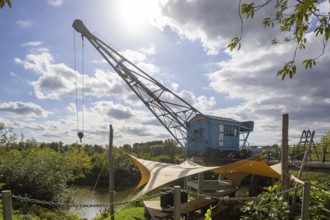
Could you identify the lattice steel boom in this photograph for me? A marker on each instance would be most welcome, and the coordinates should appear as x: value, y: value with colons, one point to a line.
x: 172, y: 111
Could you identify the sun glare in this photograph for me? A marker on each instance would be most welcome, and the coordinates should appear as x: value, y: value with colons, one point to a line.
x: 134, y: 15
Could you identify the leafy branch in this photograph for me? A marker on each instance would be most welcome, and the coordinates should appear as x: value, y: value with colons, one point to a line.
x: 295, y: 23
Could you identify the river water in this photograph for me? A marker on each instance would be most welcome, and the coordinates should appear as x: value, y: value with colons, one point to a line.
x: 86, y: 195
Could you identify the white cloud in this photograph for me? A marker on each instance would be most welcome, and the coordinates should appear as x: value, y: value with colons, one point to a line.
x: 24, y: 24
x: 24, y: 109
x: 55, y: 3
x: 32, y: 44
x: 201, y: 103
x: 111, y: 110
x: 250, y: 74
x: 56, y: 80
x: 71, y: 107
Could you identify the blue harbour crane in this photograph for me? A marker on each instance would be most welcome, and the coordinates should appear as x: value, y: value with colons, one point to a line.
x: 201, y: 135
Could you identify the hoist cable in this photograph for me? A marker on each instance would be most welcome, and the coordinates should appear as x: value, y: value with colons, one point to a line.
x: 82, y: 84
x: 80, y: 133
x: 76, y: 80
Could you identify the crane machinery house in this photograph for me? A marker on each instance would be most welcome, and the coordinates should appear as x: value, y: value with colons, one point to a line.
x: 213, y: 136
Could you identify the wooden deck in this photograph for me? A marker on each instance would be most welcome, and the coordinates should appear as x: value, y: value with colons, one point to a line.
x: 152, y: 210
x: 193, y: 209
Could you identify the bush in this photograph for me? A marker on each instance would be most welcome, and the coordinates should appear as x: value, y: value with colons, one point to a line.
x: 267, y: 206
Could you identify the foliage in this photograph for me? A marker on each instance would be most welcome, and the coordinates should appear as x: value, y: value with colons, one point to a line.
x: 270, y: 206
x: 37, y: 173
x: 78, y: 161
x: 3, y: 2
x: 325, y: 139
x: 208, y: 213
x: 319, y: 201
x: 102, y: 216
x: 6, y: 135
x: 295, y: 24
x: 38, y: 213
x: 267, y: 205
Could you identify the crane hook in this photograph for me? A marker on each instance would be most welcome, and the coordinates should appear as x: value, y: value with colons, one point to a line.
x: 80, y: 135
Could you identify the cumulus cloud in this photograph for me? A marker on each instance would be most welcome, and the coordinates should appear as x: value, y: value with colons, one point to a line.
x: 112, y: 110
x: 213, y: 23
x: 24, y: 109
x: 56, y: 80
x: 249, y: 75
x: 202, y: 103
x: 135, y: 130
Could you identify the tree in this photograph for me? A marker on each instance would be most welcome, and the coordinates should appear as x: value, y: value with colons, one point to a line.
x: 6, y: 135
x: 79, y: 161
x: 36, y: 173
x: 296, y: 24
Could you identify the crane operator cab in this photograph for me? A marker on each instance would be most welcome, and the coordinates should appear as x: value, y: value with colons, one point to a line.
x: 217, y: 138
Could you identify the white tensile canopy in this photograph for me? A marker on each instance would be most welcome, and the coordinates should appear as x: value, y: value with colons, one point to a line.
x: 156, y: 174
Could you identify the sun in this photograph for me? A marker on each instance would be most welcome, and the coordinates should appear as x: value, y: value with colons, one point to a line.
x: 135, y: 15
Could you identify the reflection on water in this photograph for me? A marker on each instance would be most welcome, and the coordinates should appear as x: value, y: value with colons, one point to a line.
x: 86, y: 195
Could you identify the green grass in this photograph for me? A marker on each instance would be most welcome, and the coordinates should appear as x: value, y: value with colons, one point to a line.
x: 320, y: 177
x: 129, y: 213
x: 133, y: 213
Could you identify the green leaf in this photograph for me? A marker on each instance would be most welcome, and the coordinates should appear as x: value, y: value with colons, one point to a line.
x: 248, y: 9
x: 2, y: 3
x: 267, y: 22
x: 235, y: 43
x: 8, y: 3
x: 309, y: 63
x: 288, y: 69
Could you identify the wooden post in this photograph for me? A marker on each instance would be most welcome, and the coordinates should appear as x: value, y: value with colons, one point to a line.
x: 284, y: 155
x: 111, y: 173
x: 185, y: 179
x: 324, y: 152
x: 177, y: 203
x: 305, y: 201
x: 200, y: 183
x: 6, y: 205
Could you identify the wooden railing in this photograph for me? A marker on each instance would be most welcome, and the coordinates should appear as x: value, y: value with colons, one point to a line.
x: 320, y: 153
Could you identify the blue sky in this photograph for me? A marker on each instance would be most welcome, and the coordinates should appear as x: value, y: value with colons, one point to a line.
x: 180, y: 43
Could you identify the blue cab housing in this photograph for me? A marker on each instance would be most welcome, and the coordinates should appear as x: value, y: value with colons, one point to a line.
x: 216, y: 133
